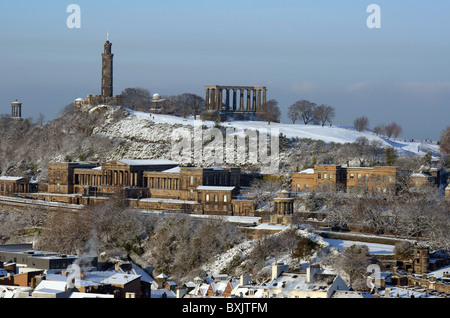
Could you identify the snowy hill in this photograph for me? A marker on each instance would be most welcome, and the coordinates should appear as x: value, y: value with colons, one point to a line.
x: 144, y: 128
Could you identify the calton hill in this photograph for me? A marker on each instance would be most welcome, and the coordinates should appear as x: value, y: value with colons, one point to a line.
x: 140, y: 125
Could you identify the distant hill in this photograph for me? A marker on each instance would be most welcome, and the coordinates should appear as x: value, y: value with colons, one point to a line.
x: 100, y: 133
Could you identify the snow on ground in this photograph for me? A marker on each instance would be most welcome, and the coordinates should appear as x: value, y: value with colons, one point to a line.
x: 328, y: 134
x: 398, y: 292
x: 374, y: 248
x: 440, y: 272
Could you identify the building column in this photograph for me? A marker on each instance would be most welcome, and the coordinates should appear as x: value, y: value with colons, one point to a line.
x: 213, y: 99
x: 249, y: 104
x: 264, y: 96
x: 227, y: 98
x: 207, y: 99
x: 241, y: 104
x: 258, y: 104
x: 220, y: 99
x: 234, y: 99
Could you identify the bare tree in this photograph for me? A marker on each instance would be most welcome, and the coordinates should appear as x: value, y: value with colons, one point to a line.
x: 380, y: 129
x: 135, y: 98
x: 354, y: 262
x: 324, y: 113
x: 444, y: 143
x: 270, y: 111
x: 361, y: 123
x: 393, y: 130
x: 306, y: 110
x: 188, y: 103
x: 294, y: 113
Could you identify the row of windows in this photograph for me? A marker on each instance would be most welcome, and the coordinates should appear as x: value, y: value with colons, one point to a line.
x: 329, y: 176
x: 216, y: 198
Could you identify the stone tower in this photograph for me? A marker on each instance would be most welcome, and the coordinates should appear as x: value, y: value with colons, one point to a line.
x: 107, y: 70
x: 16, y: 109
x: 421, y: 259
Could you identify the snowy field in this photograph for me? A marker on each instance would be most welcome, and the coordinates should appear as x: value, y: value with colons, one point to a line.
x: 328, y: 134
x: 374, y: 248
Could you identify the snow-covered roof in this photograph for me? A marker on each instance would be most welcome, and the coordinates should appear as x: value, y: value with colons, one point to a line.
x: 164, y: 200
x: 420, y: 175
x: 307, y: 171
x: 351, y: 294
x: 8, y: 178
x: 120, y: 279
x: 294, y: 281
x: 147, y: 162
x: 90, y: 295
x: 173, y: 170
x: 158, y: 293
x: 215, y: 188
x: 97, y: 278
x: 51, y: 286
x: 12, y: 291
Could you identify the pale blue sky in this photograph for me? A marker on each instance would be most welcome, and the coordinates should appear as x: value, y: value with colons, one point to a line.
x: 317, y: 50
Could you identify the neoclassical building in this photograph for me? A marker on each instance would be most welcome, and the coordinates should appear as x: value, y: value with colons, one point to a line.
x: 359, y: 180
x: 151, y: 184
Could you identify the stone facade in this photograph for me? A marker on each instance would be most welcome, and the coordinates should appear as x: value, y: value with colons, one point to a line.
x: 283, y: 208
x: 221, y: 101
x: 12, y: 185
x: 382, y: 180
x: 107, y: 70
x: 151, y: 184
x: 16, y: 109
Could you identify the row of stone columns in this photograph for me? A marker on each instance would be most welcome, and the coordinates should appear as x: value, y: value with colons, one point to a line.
x: 16, y: 109
x: 251, y: 99
x: 284, y: 207
x: 111, y: 178
x: 163, y: 183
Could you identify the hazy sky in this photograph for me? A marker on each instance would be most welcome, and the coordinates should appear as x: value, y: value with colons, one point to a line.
x: 318, y: 50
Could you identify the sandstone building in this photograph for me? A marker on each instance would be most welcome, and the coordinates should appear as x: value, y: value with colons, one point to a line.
x: 153, y: 184
x: 360, y: 180
x: 11, y: 185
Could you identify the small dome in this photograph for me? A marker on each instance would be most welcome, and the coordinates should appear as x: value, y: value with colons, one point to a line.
x: 156, y: 96
x: 79, y: 99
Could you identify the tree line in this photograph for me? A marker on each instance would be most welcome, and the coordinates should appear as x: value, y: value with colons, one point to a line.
x: 310, y: 112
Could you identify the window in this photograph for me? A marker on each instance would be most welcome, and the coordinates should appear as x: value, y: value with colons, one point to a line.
x: 216, y: 198
x: 352, y: 175
x: 331, y: 176
x: 207, y: 198
x: 192, y: 180
x: 390, y: 178
x: 319, y: 175
x: 359, y: 176
x: 366, y: 176
x: 58, y: 174
x: 225, y: 198
x: 324, y: 175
